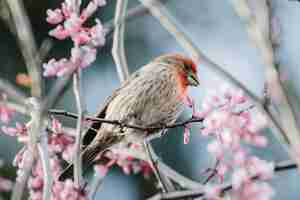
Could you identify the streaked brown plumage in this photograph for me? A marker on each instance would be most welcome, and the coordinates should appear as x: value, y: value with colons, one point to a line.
x: 153, y: 95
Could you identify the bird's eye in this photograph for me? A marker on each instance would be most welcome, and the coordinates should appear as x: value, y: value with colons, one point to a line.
x: 187, y: 67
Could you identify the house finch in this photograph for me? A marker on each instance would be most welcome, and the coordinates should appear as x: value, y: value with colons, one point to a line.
x: 154, y: 95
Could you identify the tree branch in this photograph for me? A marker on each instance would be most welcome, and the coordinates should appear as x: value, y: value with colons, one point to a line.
x: 79, y: 103
x: 122, y: 124
x: 27, y: 44
x: 118, y: 50
x: 44, y: 156
x: 196, y: 193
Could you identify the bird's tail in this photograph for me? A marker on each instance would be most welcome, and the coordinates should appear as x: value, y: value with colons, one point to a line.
x: 88, y: 157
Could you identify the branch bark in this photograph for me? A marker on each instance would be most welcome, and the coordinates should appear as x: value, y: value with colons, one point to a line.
x: 118, y: 50
x: 79, y: 103
x: 27, y: 45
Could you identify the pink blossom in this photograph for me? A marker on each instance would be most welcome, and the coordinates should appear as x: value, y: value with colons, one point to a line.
x: 83, y: 56
x: 127, y: 163
x: 59, y: 33
x: 5, y: 112
x: 81, y: 38
x: 186, y: 135
x: 255, y: 191
x: 54, y: 16
x: 100, y: 3
x: 258, y: 123
x: 261, y: 168
x: 19, y: 131
x: 240, y: 157
x: 239, y: 97
x: 215, y: 148
x: 58, y: 68
x: 259, y: 141
x: 67, y: 8
x: 211, y: 192
x: 101, y: 170
x: 88, y: 11
x: 56, y: 125
x: 73, y: 24
x: 98, y: 34
x: 239, y: 177
x: 5, y: 184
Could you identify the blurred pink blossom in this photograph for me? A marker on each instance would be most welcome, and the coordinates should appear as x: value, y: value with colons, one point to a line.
x: 6, y: 113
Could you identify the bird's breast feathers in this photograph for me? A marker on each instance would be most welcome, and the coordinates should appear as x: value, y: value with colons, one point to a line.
x: 152, y: 97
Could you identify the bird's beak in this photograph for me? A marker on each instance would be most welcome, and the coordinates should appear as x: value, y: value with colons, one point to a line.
x: 193, y: 79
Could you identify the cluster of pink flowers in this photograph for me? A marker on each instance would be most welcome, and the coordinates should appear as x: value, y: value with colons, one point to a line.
x: 58, y: 145
x: 233, y: 122
x: 129, y: 164
x: 61, y: 145
x: 60, y: 190
x: 70, y: 24
x: 6, y: 113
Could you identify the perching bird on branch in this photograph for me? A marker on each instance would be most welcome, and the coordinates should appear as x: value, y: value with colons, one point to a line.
x: 152, y: 96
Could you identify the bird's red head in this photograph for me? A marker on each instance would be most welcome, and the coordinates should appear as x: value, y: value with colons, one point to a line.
x: 185, y: 66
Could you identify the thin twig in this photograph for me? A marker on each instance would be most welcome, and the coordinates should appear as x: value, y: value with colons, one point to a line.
x: 44, y: 156
x: 120, y: 123
x: 96, y: 183
x: 183, y: 181
x: 196, y: 193
x: 79, y: 103
x: 118, y: 50
x: 164, y: 183
x: 260, y: 34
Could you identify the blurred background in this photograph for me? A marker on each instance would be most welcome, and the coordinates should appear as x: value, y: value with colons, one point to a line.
x: 217, y: 31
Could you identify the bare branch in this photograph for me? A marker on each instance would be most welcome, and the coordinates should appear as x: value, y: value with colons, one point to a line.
x: 79, y: 103
x: 118, y: 50
x: 95, y: 185
x: 44, y: 156
x: 122, y: 124
x: 164, y: 182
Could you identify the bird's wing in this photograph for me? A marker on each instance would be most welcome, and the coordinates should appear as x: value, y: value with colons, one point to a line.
x: 90, y: 134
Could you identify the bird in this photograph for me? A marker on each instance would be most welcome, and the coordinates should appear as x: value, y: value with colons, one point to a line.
x: 153, y: 95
